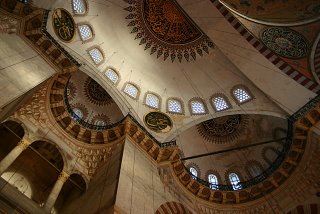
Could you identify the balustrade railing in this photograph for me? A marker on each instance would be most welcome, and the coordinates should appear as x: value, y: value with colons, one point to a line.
x: 279, y: 160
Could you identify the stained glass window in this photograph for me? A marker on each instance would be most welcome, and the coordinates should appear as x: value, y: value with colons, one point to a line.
x: 131, y: 90
x: 193, y: 172
x: 235, y: 181
x: 100, y: 123
x: 79, y: 6
x: 78, y: 112
x: 197, y: 107
x: 213, y: 180
x: 152, y: 101
x: 241, y: 95
x: 85, y: 32
x: 220, y: 103
x: 96, y: 55
x: 112, y: 75
x: 174, y: 106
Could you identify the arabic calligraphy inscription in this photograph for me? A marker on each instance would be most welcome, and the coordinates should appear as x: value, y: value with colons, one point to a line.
x: 158, y: 122
x: 63, y: 24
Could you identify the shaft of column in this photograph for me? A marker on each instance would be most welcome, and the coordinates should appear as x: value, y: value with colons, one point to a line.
x: 12, y: 156
x: 63, y: 177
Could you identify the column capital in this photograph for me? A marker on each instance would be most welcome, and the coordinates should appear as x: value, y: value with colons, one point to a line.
x: 63, y: 176
x: 24, y: 144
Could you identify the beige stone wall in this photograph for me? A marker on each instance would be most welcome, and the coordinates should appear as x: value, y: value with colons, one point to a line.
x: 21, y: 68
x: 101, y: 192
x: 140, y: 189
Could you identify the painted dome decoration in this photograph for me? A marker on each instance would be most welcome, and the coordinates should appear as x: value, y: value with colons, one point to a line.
x: 285, y: 42
x: 96, y: 93
x: 223, y: 129
x: 164, y: 27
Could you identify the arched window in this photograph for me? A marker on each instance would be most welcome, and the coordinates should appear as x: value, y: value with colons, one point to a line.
x: 197, y: 106
x: 152, y: 101
x: 254, y: 169
x: 241, y: 94
x: 220, y: 102
x: 213, y: 180
x: 100, y: 123
x: 112, y: 75
x: 85, y: 32
x: 78, y: 112
x: 235, y: 181
x: 79, y: 7
x: 96, y: 55
x: 175, y: 106
x: 131, y: 90
x: 269, y: 154
x: 193, y: 172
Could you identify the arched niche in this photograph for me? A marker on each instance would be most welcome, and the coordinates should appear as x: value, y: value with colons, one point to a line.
x: 11, y: 132
x: 39, y: 166
x: 74, y: 187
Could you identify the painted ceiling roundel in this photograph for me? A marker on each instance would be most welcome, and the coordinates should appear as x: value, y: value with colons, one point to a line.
x: 224, y: 129
x: 96, y: 93
x: 285, y: 42
x: 163, y: 26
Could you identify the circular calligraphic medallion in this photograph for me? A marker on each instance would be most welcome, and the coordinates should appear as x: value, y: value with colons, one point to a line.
x: 63, y: 24
x: 158, y: 122
x: 285, y: 42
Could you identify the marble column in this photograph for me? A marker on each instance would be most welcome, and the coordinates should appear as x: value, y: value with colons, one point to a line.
x: 12, y: 156
x: 63, y: 177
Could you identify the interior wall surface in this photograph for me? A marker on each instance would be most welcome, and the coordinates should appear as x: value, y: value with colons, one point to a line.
x: 21, y: 68
x: 140, y: 189
x: 101, y: 193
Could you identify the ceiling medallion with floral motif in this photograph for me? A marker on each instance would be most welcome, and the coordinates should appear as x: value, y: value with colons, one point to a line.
x: 96, y: 93
x: 224, y: 129
x: 166, y: 29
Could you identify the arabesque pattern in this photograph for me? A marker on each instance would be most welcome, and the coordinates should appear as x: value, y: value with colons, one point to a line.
x: 166, y: 29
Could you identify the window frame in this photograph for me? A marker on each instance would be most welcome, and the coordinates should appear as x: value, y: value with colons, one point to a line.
x: 237, y: 186
x: 133, y: 84
x: 78, y: 109
x: 114, y: 70
x: 246, y: 89
x: 181, y: 103
x: 199, y: 100
x: 226, y: 99
x: 249, y: 166
x: 80, y: 14
x: 92, y: 32
x: 102, y: 54
x: 213, y: 185
x: 154, y: 94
